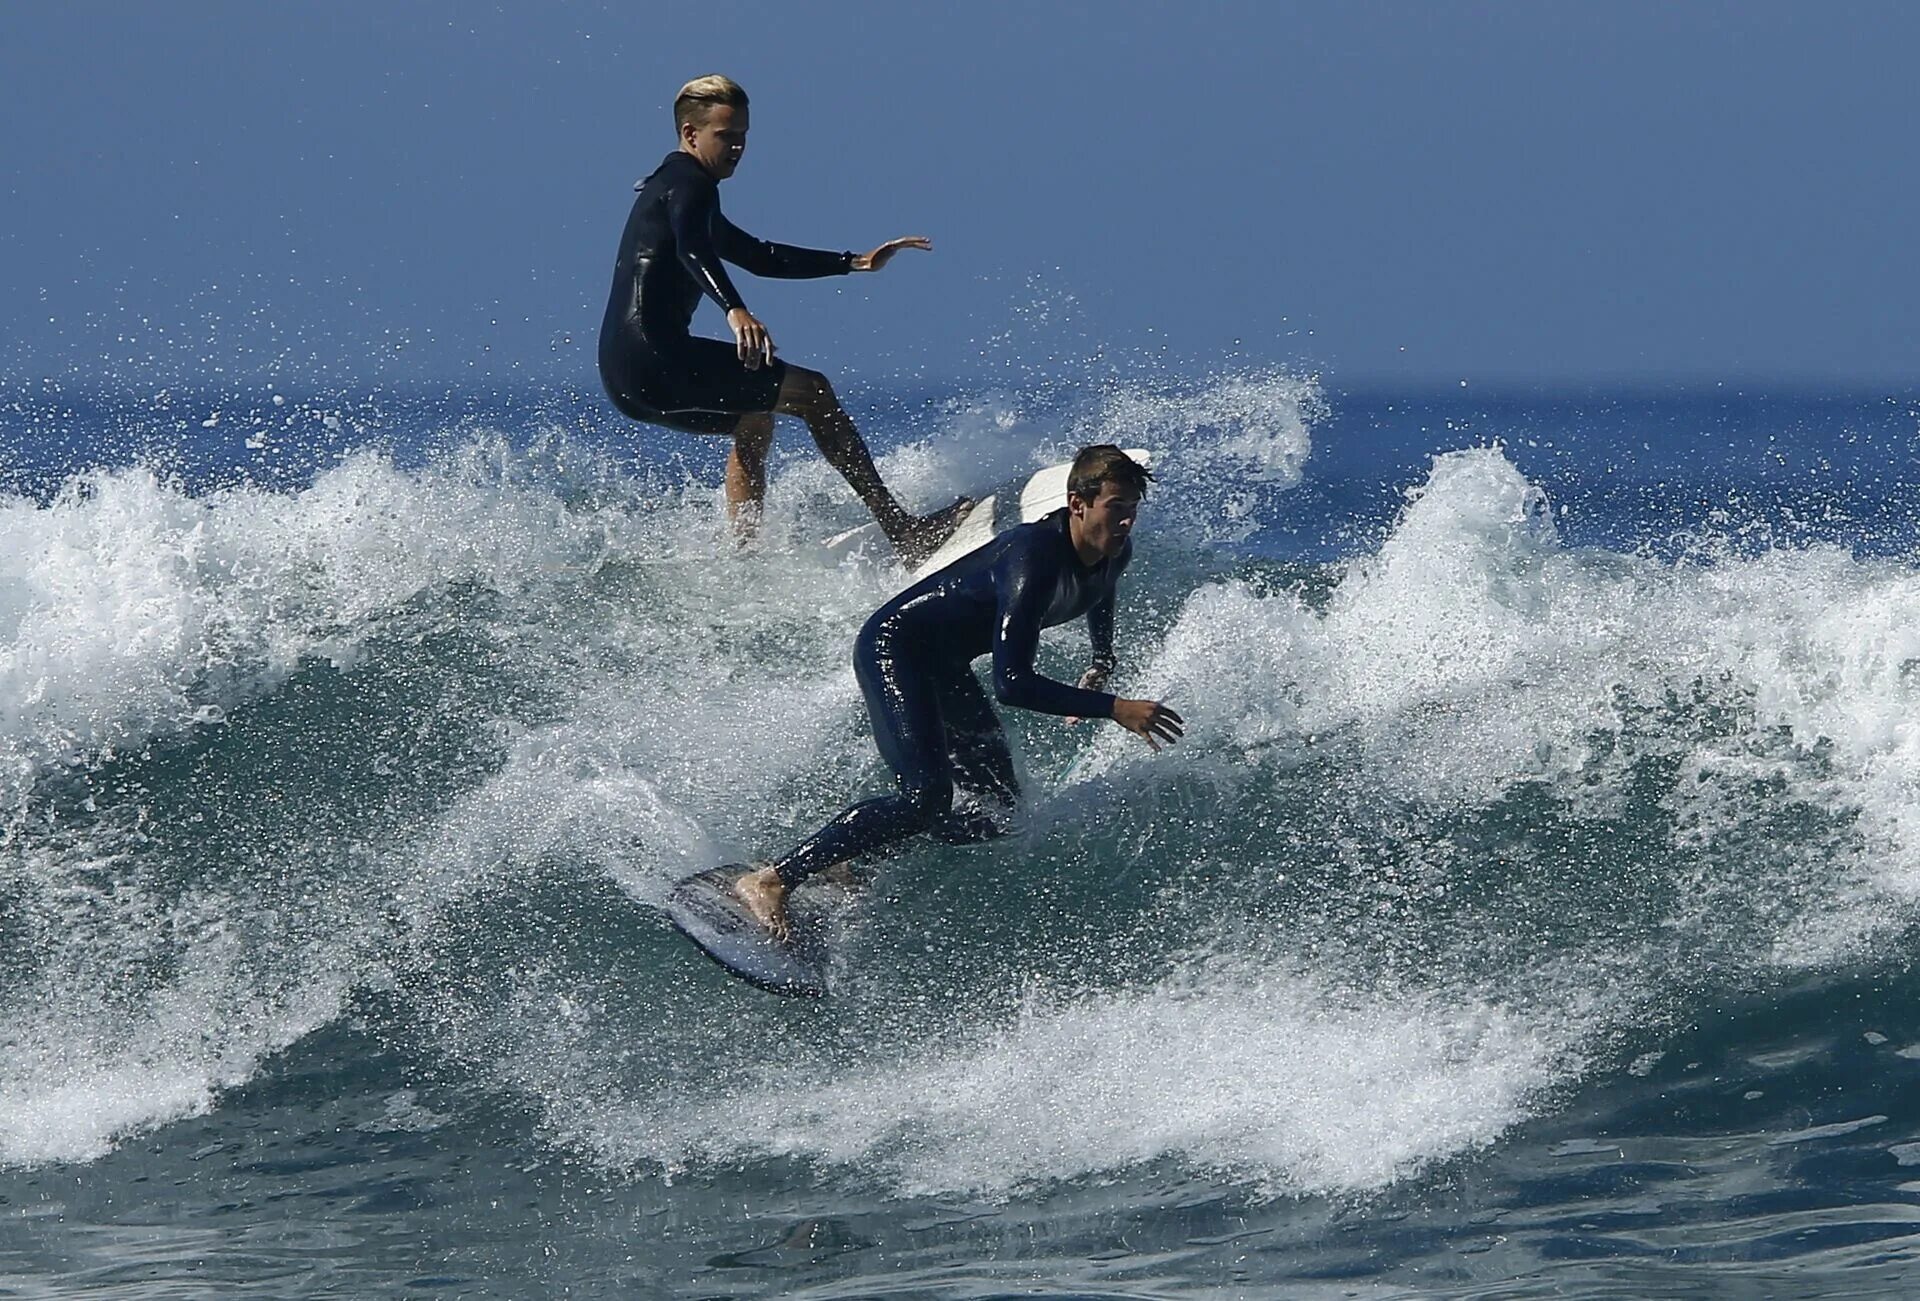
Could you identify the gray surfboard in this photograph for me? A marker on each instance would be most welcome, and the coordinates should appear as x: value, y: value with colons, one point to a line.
x: 704, y: 909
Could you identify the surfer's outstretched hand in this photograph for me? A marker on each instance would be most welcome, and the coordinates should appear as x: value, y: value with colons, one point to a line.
x: 884, y: 254
x: 1149, y: 720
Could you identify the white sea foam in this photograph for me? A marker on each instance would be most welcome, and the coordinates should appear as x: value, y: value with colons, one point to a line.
x: 1254, y: 427
x: 1256, y: 1073
x: 1474, y: 653
x: 1225, y: 449
x: 129, y: 608
x: 85, y: 1067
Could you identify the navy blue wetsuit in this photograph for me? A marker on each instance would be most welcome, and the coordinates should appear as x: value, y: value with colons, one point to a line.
x: 931, y: 720
x: 671, y: 252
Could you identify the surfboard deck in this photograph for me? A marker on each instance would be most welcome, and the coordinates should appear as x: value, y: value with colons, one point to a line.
x: 703, y: 908
x: 1019, y: 501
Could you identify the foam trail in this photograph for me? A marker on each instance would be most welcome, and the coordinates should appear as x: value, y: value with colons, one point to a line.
x: 1259, y: 1074
x: 85, y: 1068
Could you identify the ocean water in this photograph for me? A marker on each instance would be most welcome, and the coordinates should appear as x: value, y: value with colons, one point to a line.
x: 1528, y: 911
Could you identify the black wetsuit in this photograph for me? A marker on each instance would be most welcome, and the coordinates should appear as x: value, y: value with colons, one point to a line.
x: 671, y: 253
x: 931, y: 720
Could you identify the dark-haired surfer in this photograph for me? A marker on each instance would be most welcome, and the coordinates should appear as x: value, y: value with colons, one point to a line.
x: 931, y: 719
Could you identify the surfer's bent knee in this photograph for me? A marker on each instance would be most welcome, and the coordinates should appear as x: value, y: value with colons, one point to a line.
x: 754, y: 433
x: 806, y: 392
x: 930, y: 797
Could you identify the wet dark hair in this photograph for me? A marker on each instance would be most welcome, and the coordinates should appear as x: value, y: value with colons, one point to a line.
x: 1105, y: 463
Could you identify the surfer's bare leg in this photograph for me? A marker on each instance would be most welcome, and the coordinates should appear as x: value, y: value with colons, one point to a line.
x: 747, y: 471
x: 807, y: 394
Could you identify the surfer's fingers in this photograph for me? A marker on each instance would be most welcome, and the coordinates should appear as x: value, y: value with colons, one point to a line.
x: 1146, y: 733
x: 753, y: 343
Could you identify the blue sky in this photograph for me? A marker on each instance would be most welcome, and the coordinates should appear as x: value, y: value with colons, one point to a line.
x: 1378, y: 192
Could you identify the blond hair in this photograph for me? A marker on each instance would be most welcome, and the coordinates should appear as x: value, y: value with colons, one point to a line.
x: 702, y: 95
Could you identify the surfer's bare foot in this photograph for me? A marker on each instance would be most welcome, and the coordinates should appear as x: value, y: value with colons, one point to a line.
x: 765, y: 897
x: 923, y: 534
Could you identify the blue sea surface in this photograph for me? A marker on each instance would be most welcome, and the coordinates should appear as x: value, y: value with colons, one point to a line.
x: 1528, y: 911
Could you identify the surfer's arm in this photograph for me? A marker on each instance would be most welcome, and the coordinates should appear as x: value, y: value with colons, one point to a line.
x: 1024, y: 595
x: 1100, y: 624
x: 693, y: 209
x: 1100, y: 635
x: 763, y: 257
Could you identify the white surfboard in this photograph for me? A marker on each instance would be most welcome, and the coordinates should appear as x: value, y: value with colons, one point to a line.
x: 1020, y: 501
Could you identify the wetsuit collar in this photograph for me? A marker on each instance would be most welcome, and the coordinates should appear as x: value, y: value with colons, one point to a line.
x: 664, y: 163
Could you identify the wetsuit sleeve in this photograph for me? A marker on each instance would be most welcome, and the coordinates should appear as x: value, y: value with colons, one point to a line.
x: 763, y: 257
x: 693, y: 210
x: 1025, y: 588
x: 1100, y: 617
x: 1100, y: 633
